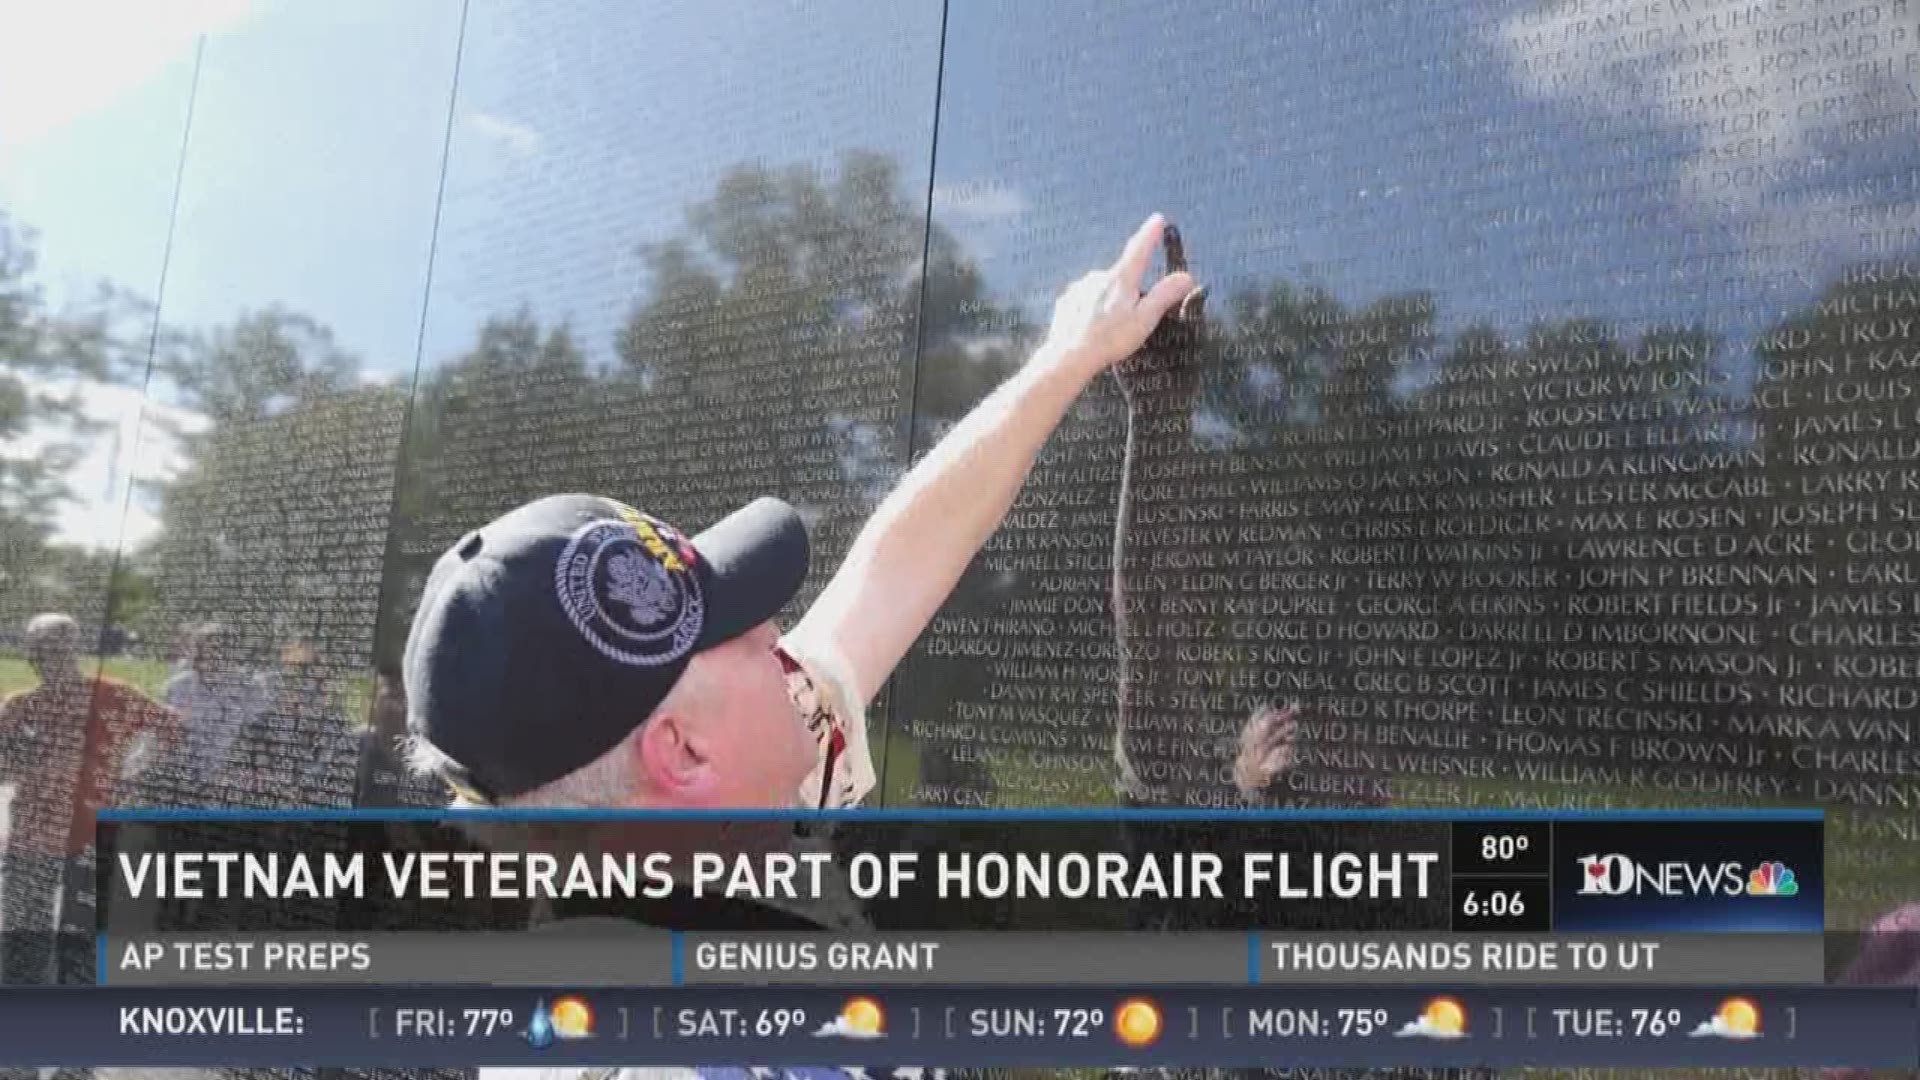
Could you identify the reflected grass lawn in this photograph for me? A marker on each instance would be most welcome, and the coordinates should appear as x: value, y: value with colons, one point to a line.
x: 150, y: 677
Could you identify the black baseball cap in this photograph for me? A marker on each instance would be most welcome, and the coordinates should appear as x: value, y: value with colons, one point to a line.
x: 546, y: 636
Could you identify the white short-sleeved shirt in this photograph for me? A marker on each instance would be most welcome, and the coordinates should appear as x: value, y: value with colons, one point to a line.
x: 818, y: 684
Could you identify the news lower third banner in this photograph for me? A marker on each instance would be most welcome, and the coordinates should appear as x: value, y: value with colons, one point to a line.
x: 953, y: 939
x: 878, y: 898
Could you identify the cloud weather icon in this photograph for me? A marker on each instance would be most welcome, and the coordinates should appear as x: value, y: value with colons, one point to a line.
x: 860, y: 1018
x: 1738, y: 1018
x: 1443, y: 1018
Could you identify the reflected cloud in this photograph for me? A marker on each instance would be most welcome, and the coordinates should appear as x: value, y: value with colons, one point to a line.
x: 989, y: 347
x: 62, y: 61
x: 1737, y: 83
x: 980, y: 213
x: 979, y: 200
x: 1212, y: 431
x: 516, y: 141
x: 123, y: 454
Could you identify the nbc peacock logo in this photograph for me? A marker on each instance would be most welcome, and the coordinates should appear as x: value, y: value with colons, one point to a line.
x: 1772, y: 879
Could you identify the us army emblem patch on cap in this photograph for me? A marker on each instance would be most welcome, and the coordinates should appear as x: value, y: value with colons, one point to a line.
x: 626, y: 585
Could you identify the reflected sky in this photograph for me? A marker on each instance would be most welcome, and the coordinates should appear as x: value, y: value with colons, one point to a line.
x: 301, y: 186
x: 1710, y: 164
x: 93, y: 103
x: 586, y: 130
x: 311, y: 171
x: 1641, y: 164
x: 311, y: 124
x: 1468, y: 148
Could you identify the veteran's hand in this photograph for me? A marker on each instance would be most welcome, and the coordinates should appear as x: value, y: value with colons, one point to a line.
x: 1105, y: 317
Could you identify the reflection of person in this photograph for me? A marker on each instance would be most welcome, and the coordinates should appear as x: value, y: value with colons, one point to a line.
x: 576, y: 652
x: 297, y: 742
x: 66, y: 747
x: 382, y: 741
x: 217, y: 698
x: 1161, y: 387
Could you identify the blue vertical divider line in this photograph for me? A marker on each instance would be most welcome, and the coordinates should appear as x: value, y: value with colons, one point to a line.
x: 1253, y: 957
x: 100, y: 959
x: 679, y: 958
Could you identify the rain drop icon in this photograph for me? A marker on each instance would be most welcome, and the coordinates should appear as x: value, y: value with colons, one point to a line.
x: 540, y: 1029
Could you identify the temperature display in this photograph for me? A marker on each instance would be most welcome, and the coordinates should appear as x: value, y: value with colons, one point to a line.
x: 483, y: 1023
x: 1655, y: 1022
x: 853, y: 1022
x: 1362, y: 1022
x: 1502, y: 847
x: 1505, y: 847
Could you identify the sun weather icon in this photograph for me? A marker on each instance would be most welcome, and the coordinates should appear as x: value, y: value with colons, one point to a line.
x: 1137, y: 1023
x: 569, y: 1017
x: 1772, y: 879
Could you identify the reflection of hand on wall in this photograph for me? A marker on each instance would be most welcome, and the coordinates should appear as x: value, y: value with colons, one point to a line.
x: 1266, y: 749
x: 1163, y: 378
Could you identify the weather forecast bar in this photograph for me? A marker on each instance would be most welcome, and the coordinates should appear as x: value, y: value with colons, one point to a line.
x: 1332, y: 1026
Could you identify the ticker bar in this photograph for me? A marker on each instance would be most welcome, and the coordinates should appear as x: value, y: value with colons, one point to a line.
x: 637, y: 958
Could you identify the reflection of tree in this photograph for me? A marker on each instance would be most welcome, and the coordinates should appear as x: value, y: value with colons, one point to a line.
x: 769, y: 354
x: 513, y: 418
x: 275, y: 528
x: 1507, y: 497
x: 791, y: 284
x: 49, y: 360
x: 268, y: 362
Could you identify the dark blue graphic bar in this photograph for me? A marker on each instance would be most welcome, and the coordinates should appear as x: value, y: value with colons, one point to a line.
x: 1360, y: 1027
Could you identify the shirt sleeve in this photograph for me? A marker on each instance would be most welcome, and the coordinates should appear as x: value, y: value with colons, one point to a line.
x: 838, y: 720
x: 829, y: 674
x: 175, y: 692
x: 159, y: 719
